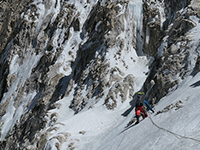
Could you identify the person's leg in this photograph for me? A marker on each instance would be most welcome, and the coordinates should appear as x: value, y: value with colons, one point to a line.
x: 138, y: 112
x: 144, y: 114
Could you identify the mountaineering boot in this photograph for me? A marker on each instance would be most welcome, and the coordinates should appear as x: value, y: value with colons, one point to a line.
x: 146, y: 115
x: 137, y: 122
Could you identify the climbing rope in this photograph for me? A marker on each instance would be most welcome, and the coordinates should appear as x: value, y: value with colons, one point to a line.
x: 120, y: 142
x: 173, y: 132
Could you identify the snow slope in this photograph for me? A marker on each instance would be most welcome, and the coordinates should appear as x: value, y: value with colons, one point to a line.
x: 179, y: 129
x: 100, y: 129
x: 93, y: 124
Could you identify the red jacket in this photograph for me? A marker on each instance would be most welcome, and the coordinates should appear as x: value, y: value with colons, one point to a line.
x: 138, y: 110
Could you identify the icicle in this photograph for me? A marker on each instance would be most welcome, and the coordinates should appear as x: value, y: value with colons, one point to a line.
x: 136, y: 8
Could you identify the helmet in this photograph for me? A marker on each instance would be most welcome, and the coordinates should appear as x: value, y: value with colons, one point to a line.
x: 140, y: 96
x: 140, y: 93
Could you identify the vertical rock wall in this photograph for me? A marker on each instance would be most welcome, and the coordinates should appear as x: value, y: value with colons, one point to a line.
x: 175, y: 50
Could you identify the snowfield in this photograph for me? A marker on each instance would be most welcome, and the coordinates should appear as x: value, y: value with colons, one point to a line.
x: 177, y: 128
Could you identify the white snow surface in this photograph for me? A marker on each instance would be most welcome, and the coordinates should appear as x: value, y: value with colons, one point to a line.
x: 105, y: 130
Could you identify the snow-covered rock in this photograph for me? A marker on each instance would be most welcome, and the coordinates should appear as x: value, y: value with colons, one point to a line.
x: 69, y: 71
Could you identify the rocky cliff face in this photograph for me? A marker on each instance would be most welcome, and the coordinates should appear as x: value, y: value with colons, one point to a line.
x: 81, y: 50
x: 177, y: 51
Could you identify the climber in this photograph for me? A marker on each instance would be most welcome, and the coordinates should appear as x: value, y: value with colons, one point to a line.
x: 140, y: 110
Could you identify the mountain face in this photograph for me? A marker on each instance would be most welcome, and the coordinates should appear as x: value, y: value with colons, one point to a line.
x: 75, y: 55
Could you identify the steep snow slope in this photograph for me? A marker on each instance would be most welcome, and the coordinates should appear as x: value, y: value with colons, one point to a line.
x: 179, y: 126
x: 94, y: 122
x: 176, y: 115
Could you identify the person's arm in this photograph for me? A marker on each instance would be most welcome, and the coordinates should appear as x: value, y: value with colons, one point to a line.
x: 149, y: 107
